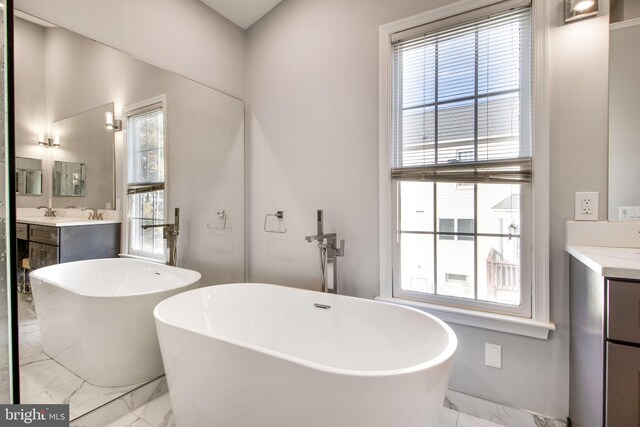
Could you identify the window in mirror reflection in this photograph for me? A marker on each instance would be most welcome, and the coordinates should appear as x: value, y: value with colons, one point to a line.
x: 145, y: 183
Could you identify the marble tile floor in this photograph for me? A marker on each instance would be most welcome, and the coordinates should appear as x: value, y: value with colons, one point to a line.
x: 43, y: 380
x: 158, y: 413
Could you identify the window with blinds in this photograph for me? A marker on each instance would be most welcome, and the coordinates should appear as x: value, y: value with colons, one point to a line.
x: 461, y: 156
x: 146, y: 180
x: 461, y: 102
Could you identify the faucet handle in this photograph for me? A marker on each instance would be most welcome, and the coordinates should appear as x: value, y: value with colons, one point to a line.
x: 340, y: 250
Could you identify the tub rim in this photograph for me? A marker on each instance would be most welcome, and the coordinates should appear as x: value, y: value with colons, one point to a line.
x: 197, y: 276
x: 446, y: 354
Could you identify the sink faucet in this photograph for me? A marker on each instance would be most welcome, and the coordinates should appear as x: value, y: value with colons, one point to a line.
x: 94, y: 213
x: 329, y: 252
x: 170, y: 233
x: 50, y: 213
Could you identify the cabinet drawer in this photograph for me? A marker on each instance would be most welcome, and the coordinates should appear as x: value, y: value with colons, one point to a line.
x: 43, y: 234
x: 623, y: 311
x: 622, y: 388
x: 41, y: 255
x: 22, y: 231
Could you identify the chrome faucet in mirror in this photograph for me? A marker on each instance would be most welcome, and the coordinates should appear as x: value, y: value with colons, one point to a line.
x: 50, y: 213
x: 94, y: 214
x: 170, y: 233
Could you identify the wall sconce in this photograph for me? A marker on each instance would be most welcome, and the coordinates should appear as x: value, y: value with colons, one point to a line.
x: 49, y: 142
x: 579, y: 9
x: 116, y: 125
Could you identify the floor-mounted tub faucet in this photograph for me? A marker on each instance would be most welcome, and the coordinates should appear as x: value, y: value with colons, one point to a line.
x: 329, y: 252
x: 170, y: 233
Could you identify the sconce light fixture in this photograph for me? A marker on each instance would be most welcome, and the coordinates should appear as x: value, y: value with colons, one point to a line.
x: 116, y: 125
x: 579, y: 9
x: 48, y: 141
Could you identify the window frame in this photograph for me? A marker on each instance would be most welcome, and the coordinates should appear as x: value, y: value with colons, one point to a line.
x: 539, y: 324
x: 128, y: 111
x: 523, y: 311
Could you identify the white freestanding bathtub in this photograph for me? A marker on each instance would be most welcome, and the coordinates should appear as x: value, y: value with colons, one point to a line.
x: 248, y: 355
x: 96, y: 316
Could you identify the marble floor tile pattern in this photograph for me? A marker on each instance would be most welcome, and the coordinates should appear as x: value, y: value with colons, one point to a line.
x: 43, y: 380
x: 501, y: 414
x: 158, y: 413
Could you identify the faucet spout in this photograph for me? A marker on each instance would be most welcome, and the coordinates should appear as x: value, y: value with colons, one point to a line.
x: 49, y: 212
x: 94, y: 213
x: 329, y: 252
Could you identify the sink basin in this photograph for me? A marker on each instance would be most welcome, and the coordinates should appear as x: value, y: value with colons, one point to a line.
x: 59, y: 219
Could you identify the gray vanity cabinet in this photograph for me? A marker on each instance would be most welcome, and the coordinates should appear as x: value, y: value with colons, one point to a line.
x: 52, y: 245
x: 604, y: 350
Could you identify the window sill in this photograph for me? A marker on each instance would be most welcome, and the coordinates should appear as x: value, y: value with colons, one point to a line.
x: 495, y: 322
x: 142, y: 258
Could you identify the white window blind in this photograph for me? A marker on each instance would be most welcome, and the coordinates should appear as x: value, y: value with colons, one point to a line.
x: 464, y: 89
x: 146, y: 150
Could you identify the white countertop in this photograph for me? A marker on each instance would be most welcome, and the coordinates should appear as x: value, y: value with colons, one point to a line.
x: 622, y: 263
x: 66, y: 217
x: 64, y: 221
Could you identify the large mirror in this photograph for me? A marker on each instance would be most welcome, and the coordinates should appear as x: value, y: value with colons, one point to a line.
x: 28, y: 177
x: 65, y: 84
x: 624, y: 104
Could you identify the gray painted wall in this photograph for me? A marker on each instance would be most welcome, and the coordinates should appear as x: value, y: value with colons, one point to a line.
x: 312, y: 111
x: 185, y: 36
x: 30, y: 106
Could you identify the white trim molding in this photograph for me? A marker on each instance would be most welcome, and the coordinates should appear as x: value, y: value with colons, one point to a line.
x: 539, y: 324
x: 624, y: 24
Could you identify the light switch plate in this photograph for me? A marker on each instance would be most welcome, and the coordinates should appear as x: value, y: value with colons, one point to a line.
x: 493, y: 355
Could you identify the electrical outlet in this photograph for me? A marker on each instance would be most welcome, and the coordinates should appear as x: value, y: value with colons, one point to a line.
x: 586, y: 207
x: 493, y: 355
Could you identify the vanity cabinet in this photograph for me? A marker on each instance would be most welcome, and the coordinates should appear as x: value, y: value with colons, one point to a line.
x: 605, y: 349
x: 50, y: 245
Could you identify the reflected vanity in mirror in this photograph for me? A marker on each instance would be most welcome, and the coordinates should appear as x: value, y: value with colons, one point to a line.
x: 28, y: 176
x: 85, y: 166
x: 624, y: 104
x: 68, y: 179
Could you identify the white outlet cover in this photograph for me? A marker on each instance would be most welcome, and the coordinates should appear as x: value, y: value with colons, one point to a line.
x: 493, y: 355
x: 586, y: 198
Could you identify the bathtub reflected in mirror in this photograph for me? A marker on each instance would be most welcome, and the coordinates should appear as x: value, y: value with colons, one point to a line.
x: 205, y: 174
x: 97, y: 329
